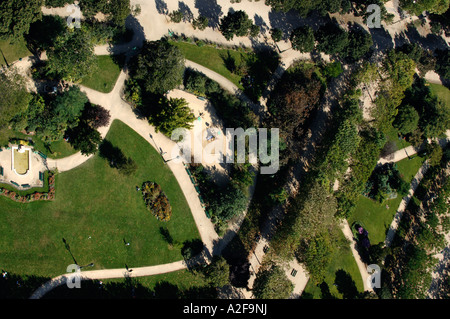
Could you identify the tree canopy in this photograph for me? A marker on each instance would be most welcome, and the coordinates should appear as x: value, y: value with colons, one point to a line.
x: 16, y: 17
x: 72, y: 55
x: 302, y: 39
x: 159, y: 67
x: 235, y: 24
x: 170, y: 114
x: 272, y: 284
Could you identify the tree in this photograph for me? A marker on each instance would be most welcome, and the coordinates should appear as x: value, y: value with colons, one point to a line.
x: 272, y: 284
x: 436, y: 119
x: 406, y: 120
x: 171, y: 114
x: 200, y: 23
x: 84, y: 138
x: 316, y: 254
x: 332, y: 39
x: 419, y: 6
x: 290, y: 104
x: 14, y: 97
x: 96, y: 116
x: 159, y: 67
x: 254, y: 30
x: 277, y: 34
x: 302, y: 39
x: 232, y: 202
x: 217, y: 273
x: 443, y: 63
x: 176, y: 16
x: 68, y: 106
x: 16, y: 17
x: 119, y: 10
x: 72, y: 56
x: 91, y: 7
x: 235, y: 23
x: 359, y: 43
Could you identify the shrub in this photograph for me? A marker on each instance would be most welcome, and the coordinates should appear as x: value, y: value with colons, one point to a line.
x: 156, y: 201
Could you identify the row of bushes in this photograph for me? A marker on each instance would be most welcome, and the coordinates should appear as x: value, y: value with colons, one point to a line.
x: 16, y: 196
x: 408, y: 266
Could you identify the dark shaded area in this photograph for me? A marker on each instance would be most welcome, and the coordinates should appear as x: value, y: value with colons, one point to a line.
x: 382, y: 40
x: 166, y: 235
x: 325, y: 291
x: 211, y: 10
x: 112, y: 154
x: 13, y: 286
x: 346, y: 285
x: 288, y: 21
x: 188, y: 16
x: 130, y: 288
x: 236, y: 256
x: 161, y: 7
x: 43, y: 33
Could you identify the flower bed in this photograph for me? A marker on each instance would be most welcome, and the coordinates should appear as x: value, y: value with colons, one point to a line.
x: 50, y: 195
x: 156, y: 201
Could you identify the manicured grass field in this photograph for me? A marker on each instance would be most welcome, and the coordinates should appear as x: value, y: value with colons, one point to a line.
x: 342, y: 260
x: 12, y: 51
x: 441, y: 91
x: 105, y: 77
x: 212, y: 58
x: 96, y: 210
x: 377, y: 217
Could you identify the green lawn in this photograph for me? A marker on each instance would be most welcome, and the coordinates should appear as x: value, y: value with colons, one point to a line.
x: 105, y: 77
x: 377, y: 217
x: 96, y: 200
x: 392, y: 136
x: 342, y: 260
x: 12, y: 51
x: 441, y: 92
x: 57, y: 149
x: 212, y: 58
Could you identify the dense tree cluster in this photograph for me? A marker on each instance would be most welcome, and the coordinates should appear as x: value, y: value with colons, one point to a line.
x: 272, y: 283
x: 16, y: 17
x: 291, y: 103
x: 235, y: 24
x: 158, y: 67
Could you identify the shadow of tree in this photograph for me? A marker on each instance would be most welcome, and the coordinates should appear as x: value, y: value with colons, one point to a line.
x: 382, y: 40
x: 15, y: 286
x: 345, y: 285
x: 188, y: 16
x: 211, y: 10
x: 161, y: 7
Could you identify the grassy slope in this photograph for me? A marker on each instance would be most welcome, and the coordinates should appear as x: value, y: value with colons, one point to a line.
x: 211, y: 58
x: 12, y: 51
x: 95, y: 200
x: 341, y: 260
x: 105, y: 77
x: 374, y: 215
